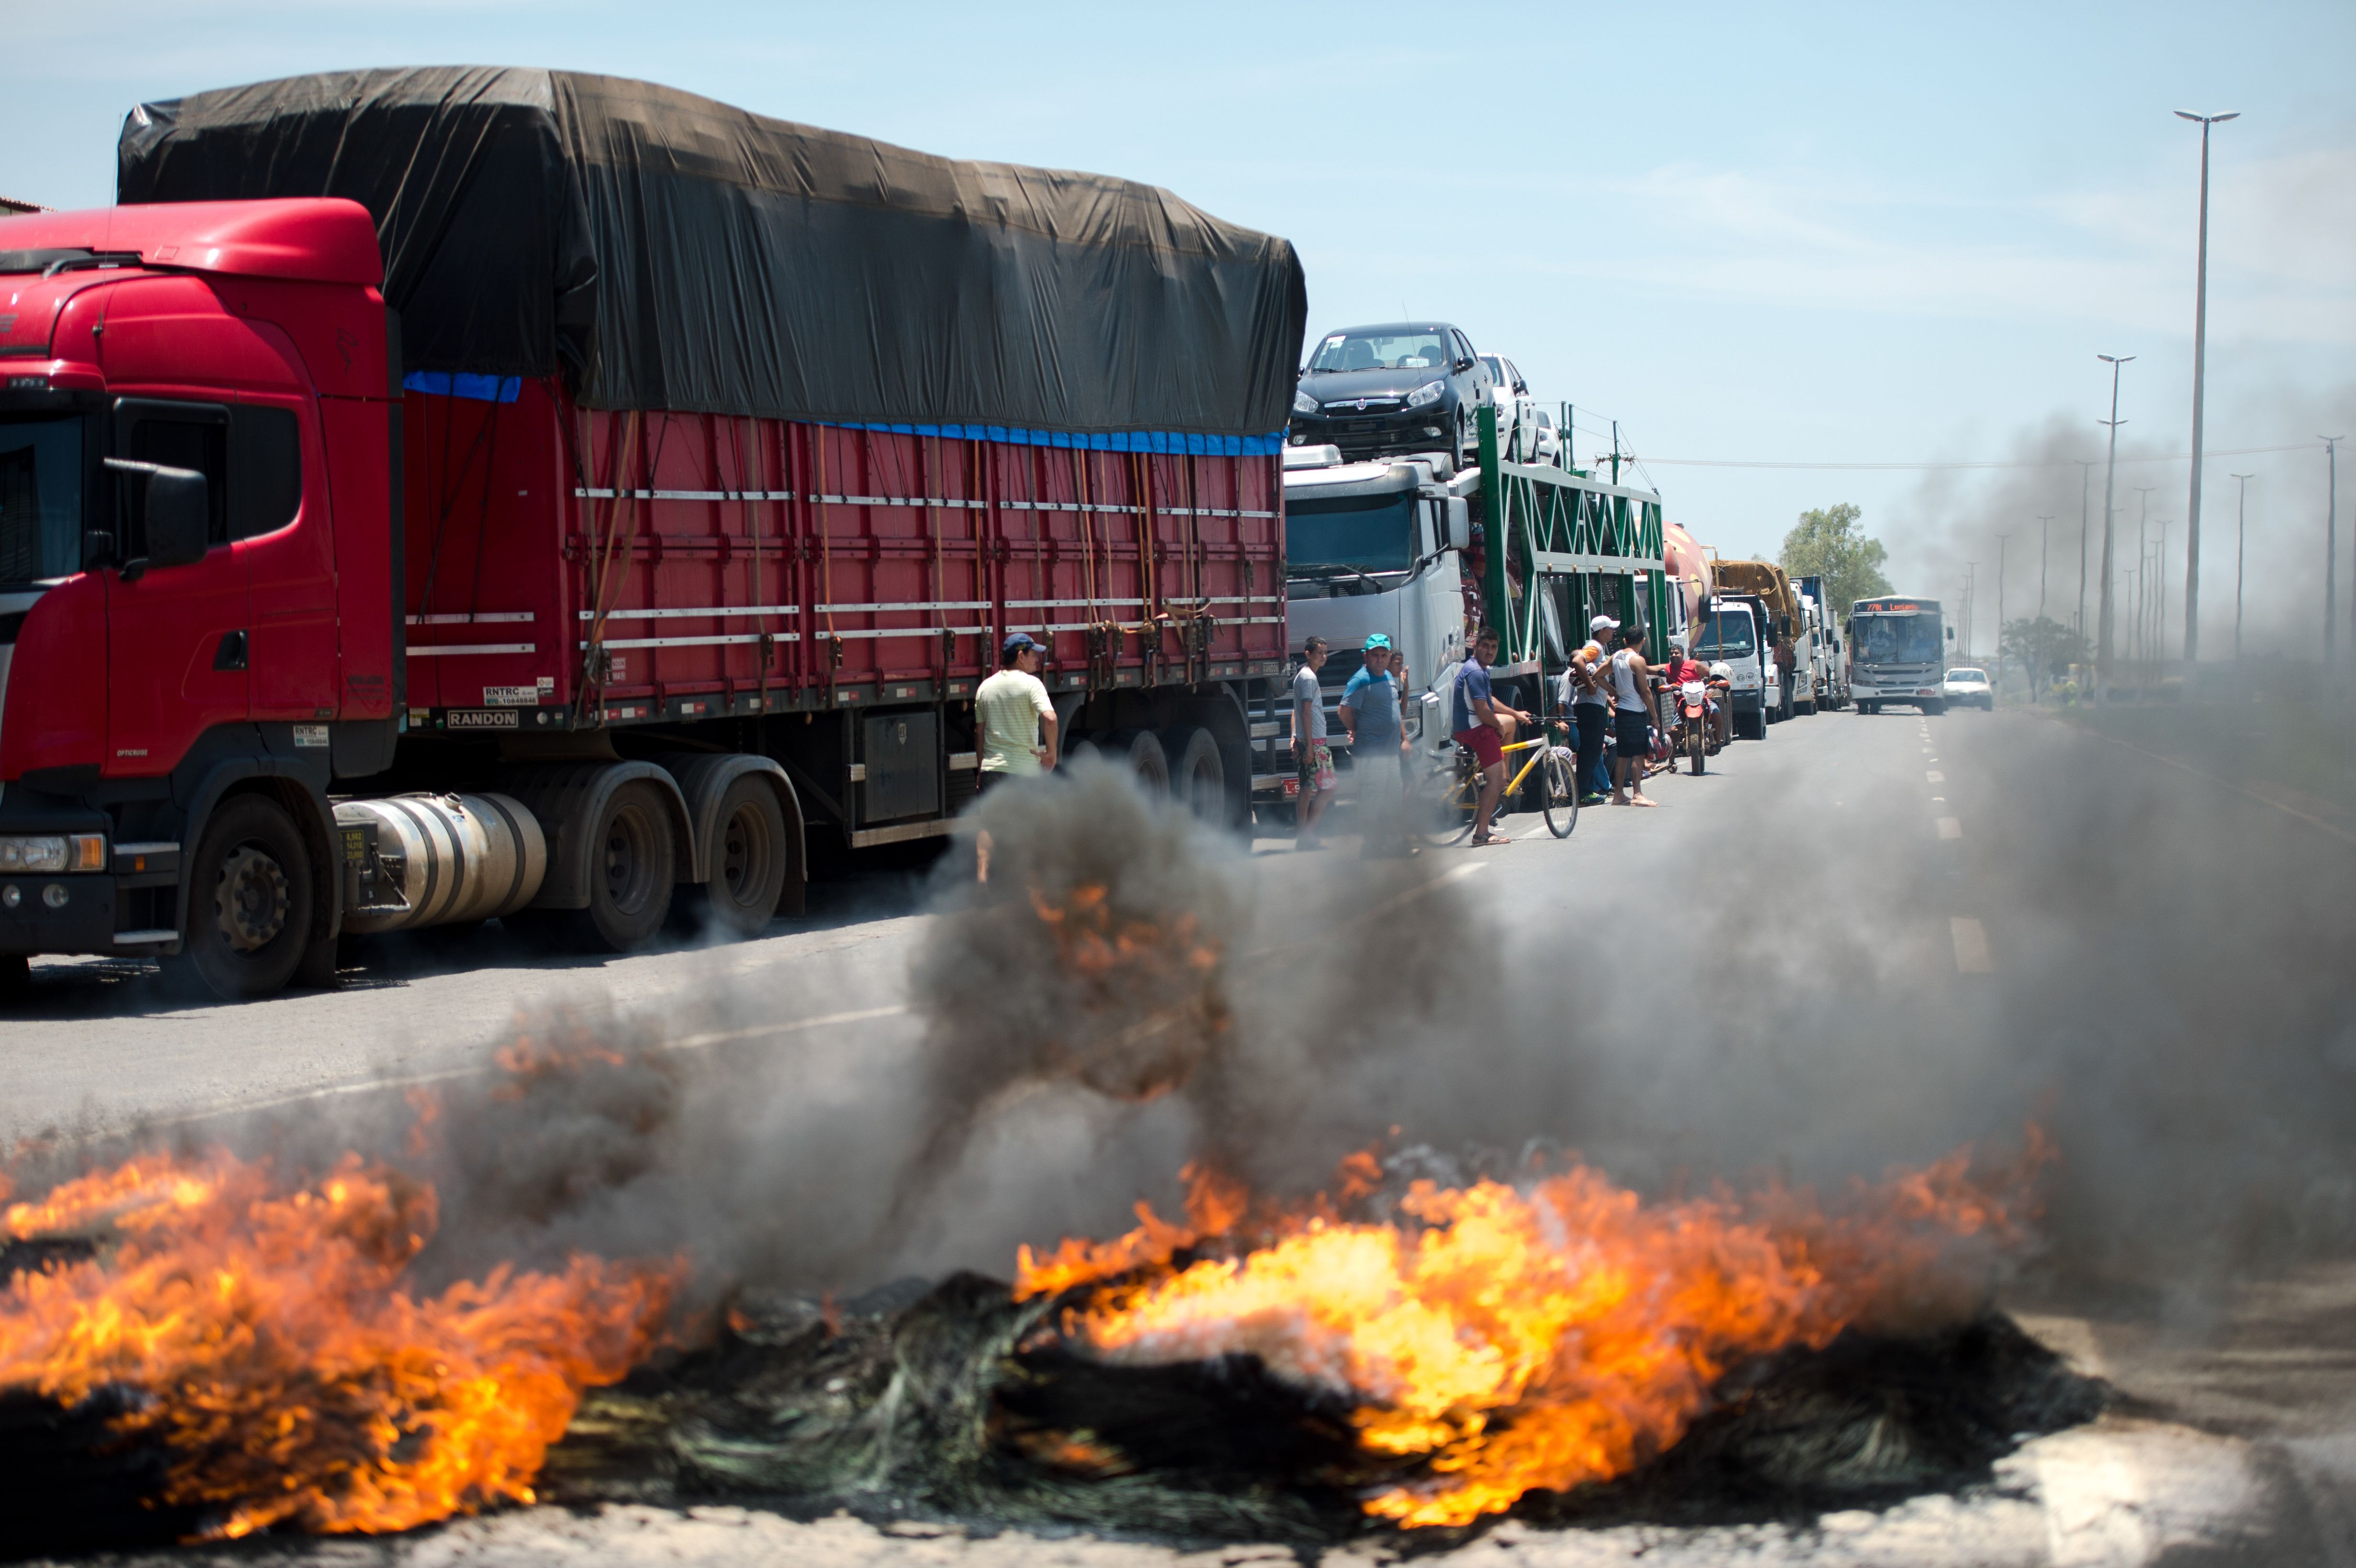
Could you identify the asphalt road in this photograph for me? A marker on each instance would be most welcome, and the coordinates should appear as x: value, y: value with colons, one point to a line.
x: 2235, y: 1438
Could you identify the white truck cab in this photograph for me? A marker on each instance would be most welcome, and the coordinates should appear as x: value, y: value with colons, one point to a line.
x: 1376, y: 547
x: 1731, y: 630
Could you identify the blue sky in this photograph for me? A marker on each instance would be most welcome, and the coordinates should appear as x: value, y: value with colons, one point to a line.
x: 1858, y: 235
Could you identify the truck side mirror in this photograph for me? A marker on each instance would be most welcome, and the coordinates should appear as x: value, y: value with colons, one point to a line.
x: 1459, y: 523
x: 1950, y: 633
x: 169, y: 508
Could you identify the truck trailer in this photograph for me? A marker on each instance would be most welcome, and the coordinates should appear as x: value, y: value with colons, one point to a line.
x: 441, y: 494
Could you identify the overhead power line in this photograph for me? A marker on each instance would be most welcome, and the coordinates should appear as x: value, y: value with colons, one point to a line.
x: 1924, y: 467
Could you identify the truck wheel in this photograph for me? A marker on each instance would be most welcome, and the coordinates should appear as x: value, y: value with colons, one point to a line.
x: 16, y: 976
x: 1199, y: 780
x: 1140, y: 752
x: 630, y: 869
x: 748, y: 857
x: 249, y: 899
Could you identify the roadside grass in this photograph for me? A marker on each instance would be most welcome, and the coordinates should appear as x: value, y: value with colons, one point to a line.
x: 2304, y: 754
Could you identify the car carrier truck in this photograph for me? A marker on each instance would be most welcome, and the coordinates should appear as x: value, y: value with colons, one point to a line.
x: 440, y: 495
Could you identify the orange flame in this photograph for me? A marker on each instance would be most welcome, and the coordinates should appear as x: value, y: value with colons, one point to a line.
x: 263, y: 1327
x: 1518, y: 1338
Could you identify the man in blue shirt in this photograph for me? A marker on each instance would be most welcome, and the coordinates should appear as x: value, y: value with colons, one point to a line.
x: 1370, y: 714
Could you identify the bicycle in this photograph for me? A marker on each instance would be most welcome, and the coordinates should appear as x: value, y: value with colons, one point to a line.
x: 1450, y: 794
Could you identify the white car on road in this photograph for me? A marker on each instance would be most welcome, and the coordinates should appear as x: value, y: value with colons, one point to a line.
x: 1968, y: 687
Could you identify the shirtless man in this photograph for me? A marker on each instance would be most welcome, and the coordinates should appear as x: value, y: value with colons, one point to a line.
x: 1631, y: 703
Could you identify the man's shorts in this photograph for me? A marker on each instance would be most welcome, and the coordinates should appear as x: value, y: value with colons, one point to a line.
x: 1488, y: 748
x: 984, y: 783
x: 1635, y: 731
x: 1316, y: 766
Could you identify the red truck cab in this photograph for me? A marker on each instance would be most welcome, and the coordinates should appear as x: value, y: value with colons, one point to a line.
x: 229, y: 364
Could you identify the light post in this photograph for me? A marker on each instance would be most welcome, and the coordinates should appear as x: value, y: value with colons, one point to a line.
x: 2331, y: 551
x: 1971, y: 580
x: 2110, y: 484
x: 2199, y: 351
x: 2241, y: 532
x: 2160, y: 599
x: 1999, y: 617
x: 2085, y: 477
x: 2044, y: 530
x: 2143, y: 583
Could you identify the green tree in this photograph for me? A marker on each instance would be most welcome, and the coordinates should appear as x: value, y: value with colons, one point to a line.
x: 1828, y: 544
x: 2030, y: 639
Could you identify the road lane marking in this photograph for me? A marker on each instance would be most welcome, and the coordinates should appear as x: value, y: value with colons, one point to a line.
x: 1935, y: 776
x: 1950, y: 827
x: 1971, y: 946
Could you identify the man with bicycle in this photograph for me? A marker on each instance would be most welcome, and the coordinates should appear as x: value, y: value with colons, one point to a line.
x: 1484, y: 727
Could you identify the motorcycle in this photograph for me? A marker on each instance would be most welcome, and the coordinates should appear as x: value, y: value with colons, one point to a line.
x: 1693, y: 707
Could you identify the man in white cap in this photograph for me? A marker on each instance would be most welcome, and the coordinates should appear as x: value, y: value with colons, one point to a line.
x: 1591, y: 706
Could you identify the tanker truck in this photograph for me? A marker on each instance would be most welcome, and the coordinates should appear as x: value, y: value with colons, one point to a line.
x: 436, y: 496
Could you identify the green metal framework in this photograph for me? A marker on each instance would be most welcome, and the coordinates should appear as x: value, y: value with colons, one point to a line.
x: 1564, y: 533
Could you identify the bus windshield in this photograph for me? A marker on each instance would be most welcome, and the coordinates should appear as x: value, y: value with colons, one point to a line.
x: 1726, y: 636
x: 1898, y: 639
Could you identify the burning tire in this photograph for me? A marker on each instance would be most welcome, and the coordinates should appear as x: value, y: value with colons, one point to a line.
x: 748, y: 857
x: 249, y: 899
x: 1199, y: 780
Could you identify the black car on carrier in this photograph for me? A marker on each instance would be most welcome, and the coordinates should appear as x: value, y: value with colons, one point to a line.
x: 1401, y: 387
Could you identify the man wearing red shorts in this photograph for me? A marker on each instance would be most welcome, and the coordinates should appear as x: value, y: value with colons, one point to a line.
x: 1484, y: 727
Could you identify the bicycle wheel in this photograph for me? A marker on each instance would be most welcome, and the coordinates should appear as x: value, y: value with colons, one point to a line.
x: 1442, y: 804
x: 1562, y: 799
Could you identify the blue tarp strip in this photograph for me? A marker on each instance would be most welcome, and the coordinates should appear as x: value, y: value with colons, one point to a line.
x: 481, y: 389
x: 1183, y: 442
x: 507, y: 388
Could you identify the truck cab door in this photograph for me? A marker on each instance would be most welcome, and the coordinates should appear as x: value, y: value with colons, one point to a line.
x: 176, y: 638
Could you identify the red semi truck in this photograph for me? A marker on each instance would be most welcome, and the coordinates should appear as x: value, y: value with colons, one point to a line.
x: 629, y: 595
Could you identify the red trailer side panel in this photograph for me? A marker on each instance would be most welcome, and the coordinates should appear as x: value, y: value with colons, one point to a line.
x: 649, y: 565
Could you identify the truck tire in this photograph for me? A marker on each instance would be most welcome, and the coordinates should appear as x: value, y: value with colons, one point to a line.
x: 249, y: 899
x: 1140, y: 751
x: 632, y: 858
x: 749, y: 858
x: 1198, y: 781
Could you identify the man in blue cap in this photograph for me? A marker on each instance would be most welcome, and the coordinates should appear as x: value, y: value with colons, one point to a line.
x: 1378, y: 753
x: 1012, y: 713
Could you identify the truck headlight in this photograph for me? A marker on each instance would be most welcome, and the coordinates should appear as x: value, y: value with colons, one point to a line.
x: 1303, y: 403
x: 1425, y: 394
x: 20, y: 852
x: 53, y: 852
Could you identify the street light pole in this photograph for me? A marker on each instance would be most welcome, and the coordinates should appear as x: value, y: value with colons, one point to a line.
x: 2331, y: 553
x: 2200, y: 352
x: 2044, y: 530
x: 2241, y: 533
x: 2159, y: 598
x: 2143, y: 581
x: 2086, y: 479
x: 2110, y: 484
x: 1971, y: 585
x: 1999, y: 616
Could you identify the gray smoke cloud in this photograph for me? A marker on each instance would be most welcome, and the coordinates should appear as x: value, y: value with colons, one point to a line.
x: 2172, y: 1003
x: 1953, y: 518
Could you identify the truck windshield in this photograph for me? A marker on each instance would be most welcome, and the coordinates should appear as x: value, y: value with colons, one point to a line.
x: 1726, y: 634
x: 1413, y: 349
x: 1898, y: 639
x: 41, y: 496
x: 1363, y: 533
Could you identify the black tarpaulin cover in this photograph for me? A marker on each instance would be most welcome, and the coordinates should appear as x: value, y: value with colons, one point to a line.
x: 664, y: 251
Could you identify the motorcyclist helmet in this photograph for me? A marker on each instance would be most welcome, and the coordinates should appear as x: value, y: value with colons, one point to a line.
x: 1722, y: 670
